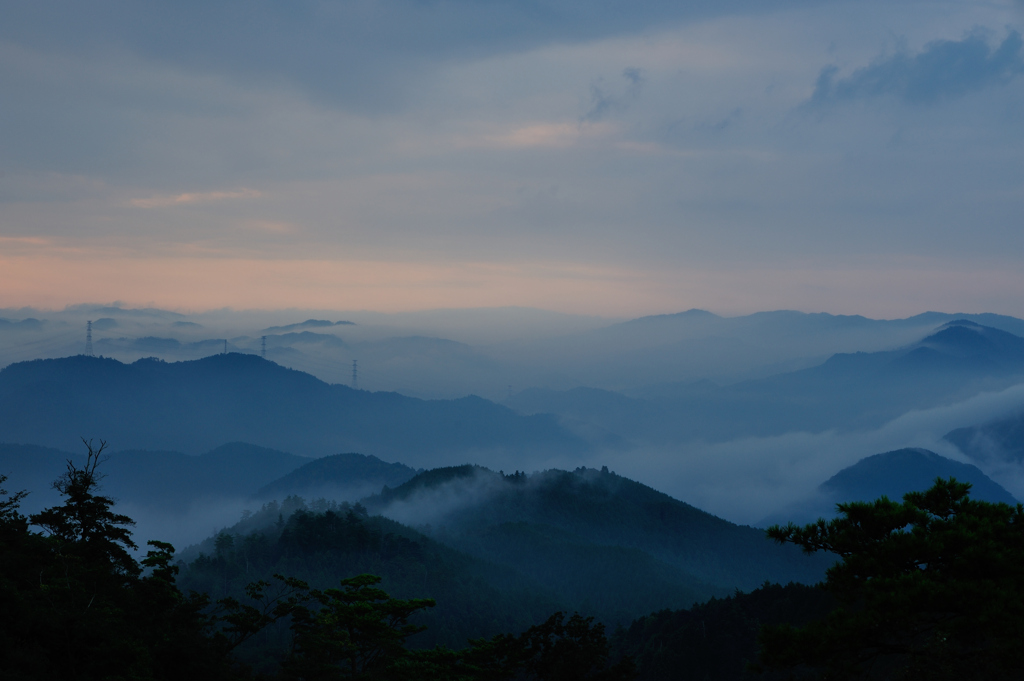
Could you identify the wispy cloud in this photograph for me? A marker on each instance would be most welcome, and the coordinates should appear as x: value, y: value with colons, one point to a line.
x: 24, y: 241
x: 603, y: 101
x: 944, y: 69
x: 746, y: 479
x: 545, y: 135
x: 193, y: 197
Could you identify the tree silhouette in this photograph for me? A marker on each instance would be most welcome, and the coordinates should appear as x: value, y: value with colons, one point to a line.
x: 929, y: 588
x: 357, y: 632
x: 86, y: 521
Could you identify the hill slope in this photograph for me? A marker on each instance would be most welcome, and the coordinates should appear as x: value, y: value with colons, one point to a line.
x: 584, y: 540
x: 546, y: 523
x: 891, y: 474
x: 167, y: 482
x: 197, y: 405
x: 339, y: 476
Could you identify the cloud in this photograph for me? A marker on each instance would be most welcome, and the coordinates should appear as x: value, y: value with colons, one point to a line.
x: 358, y: 55
x: 603, y: 103
x: 24, y: 241
x: 944, y: 69
x: 432, y: 505
x: 481, y: 156
x: 193, y: 197
x: 745, y: 480
x: 542, y: 135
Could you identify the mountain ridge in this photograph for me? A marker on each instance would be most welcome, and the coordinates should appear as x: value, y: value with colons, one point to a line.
x: 196, y: 405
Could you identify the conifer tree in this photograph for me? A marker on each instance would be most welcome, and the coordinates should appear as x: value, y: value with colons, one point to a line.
x: 930, y: 588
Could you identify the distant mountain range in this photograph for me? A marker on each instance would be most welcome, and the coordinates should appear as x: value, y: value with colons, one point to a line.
x: 998, y: 441
x: 452, y: 353
x: 309, y: 323
x: 891, y: 474
x: 864, y: 389
x: 198, y: 405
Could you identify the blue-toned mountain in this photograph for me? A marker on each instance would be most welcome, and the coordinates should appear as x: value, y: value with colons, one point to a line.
x: 195, y: 406
x: 890, y: 474
x: 847, y: 391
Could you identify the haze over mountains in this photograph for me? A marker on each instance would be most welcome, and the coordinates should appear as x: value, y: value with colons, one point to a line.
x: 457, y: 352
x: 585, y: 540
x: 849, y: 390
x: 890, y: 474
x: 624, y: 469
x: 741, y: 416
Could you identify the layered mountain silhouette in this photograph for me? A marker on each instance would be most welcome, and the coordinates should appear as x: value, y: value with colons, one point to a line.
x: 198, y: 405
x: 339, y: 476
x: 1001, y: 440
x: 583, y: 540
x: 852, y: 390
x: 891, y: 474
x: 163, y: 481
x: 652, y: 356
x: 589, y: 527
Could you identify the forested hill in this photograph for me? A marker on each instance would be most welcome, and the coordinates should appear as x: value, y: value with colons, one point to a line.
x: 197, y: 405
x: 495, y: 549
x: 553, y: 525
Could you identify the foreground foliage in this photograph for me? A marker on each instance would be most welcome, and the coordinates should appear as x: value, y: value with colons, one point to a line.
x: 75, y: 604
x: 929, y: 588
x: 717, y: 639
x: 324, y: 543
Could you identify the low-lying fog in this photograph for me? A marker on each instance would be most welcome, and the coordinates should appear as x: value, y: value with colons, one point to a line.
x: 502, y: 353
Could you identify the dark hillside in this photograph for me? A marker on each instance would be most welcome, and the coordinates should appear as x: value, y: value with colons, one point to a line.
x: 718, y: 639
x: 474, y: 598
x: 487, y: 513
x: 197, y: 405
x: 895, y: 473
x: 161, y: 481
x: 891, y: 474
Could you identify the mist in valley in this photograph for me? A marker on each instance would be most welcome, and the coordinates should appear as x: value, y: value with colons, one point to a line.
x: 511, y: 340
x: 741, y: 416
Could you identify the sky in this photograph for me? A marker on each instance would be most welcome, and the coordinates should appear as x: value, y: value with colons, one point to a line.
x: 604, y: 157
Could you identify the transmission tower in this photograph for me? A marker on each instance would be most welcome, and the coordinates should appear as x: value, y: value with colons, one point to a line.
x: 355, y: 374
x: 225, y: 347
x: 263, y: 347
x: 88, y: 338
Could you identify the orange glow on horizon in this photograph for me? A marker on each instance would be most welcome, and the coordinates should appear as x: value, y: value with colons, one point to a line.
x: 196, y: 284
